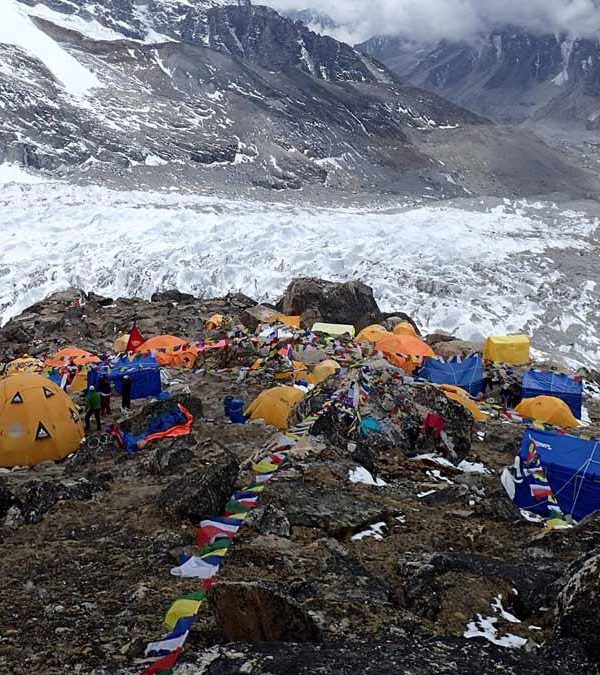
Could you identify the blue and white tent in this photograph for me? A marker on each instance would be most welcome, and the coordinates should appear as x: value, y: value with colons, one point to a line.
x: 555, y: 470
x: 544, y: 383
x: 143, y: 372
x: 466, y: 373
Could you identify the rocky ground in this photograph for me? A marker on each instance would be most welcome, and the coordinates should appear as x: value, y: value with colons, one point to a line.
x: 88, y: 543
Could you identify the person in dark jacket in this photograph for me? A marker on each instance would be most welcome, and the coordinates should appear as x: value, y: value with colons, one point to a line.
x: 93, y: 408
x: 105, y: 391
x: 126, y: 392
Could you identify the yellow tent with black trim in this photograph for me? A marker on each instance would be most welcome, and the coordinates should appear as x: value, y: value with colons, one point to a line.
x: 462, y: 396
x: 547, y: 409
x: 275, y: 405
x: 511, y: 349
x: 38, y: 421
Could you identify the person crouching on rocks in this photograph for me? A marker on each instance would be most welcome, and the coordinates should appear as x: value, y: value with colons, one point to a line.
x: 93, y: 408
x: 105, y: 392
x: 126, y: 393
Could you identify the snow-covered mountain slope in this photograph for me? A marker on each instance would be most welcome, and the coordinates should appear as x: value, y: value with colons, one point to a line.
x: 207, y: 94
x: 508, y: 74
x: 470, y: 267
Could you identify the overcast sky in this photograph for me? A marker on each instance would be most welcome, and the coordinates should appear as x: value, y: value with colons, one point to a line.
x: 453, y: 19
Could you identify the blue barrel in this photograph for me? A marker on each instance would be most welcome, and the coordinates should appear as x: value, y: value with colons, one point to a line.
x: 227, y: 405
x: 236, y: 411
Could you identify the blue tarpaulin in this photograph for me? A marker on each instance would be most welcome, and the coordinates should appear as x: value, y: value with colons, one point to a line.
x: 143, y: 372
x: 572, y: 469
x: 466, y: 374
x: 543, y: 383
x: 159, y: 426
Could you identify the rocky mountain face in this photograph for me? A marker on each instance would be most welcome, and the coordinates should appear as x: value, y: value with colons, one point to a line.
x: 221, y: 96
x: 317, y: 21
x: 507, y: 75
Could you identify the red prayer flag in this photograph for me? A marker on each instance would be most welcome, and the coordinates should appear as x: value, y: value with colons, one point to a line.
x: 136, y: 340
x: 164, y: 664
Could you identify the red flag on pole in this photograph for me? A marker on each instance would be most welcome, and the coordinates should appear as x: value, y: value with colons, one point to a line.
x: 136, y: 339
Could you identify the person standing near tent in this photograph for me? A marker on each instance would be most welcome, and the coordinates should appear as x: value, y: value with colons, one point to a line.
x: 126, y: 393
x: 105, y: 392
x: 93, y: 404
x: 71, y: 372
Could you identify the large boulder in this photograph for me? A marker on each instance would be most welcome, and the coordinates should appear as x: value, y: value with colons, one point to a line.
x: 337, y: 512
x: 577, y: 615
x: 260, y: 612
x: 37, y: 497
x: 251, y: 317
x: 201, y: 494
x: 351, y: 302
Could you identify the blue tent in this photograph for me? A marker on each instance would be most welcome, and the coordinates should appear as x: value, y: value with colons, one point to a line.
x: 466, y: 374
x: 143, y: 372
x: 543, y: 383
x: 572, y: 470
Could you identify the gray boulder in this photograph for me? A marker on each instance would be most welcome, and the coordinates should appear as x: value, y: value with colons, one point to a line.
x: 351, y: 302
x: 577, y: 615
x: 200, y: 494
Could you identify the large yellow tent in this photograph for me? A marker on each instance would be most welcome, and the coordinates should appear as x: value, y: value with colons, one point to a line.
x: 26, y: 364
x: 547, y: 409
x: 274, y: 406
x: 38, y: 421
x: 461, y: 396
x: 404, y: 351
x: 80, y: 357
x: 171, y: 351
x: 510, y: 349
x: 323, y: 370
x: 372, y: 334
x: 405, y: 328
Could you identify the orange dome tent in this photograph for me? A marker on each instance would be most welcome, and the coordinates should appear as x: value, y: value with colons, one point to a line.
x: 372, y: 334
x: 38, y: 421
x: 80, y: 357
x: 405, y: 328
x: 171, y: 351
x: 549, y: 410
x: 404, y: 351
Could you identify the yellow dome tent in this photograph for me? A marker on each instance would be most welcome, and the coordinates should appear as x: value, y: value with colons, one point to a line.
x: 215, y: 321
x: 274, y: 406
x: 372, y: 334
x: 38, y: 421
x: 461, y: 396
x: 26, y: 364
x: 510, y: 349
x: 547, y: 409
x: 323, y: 370
x: 405, y: 328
